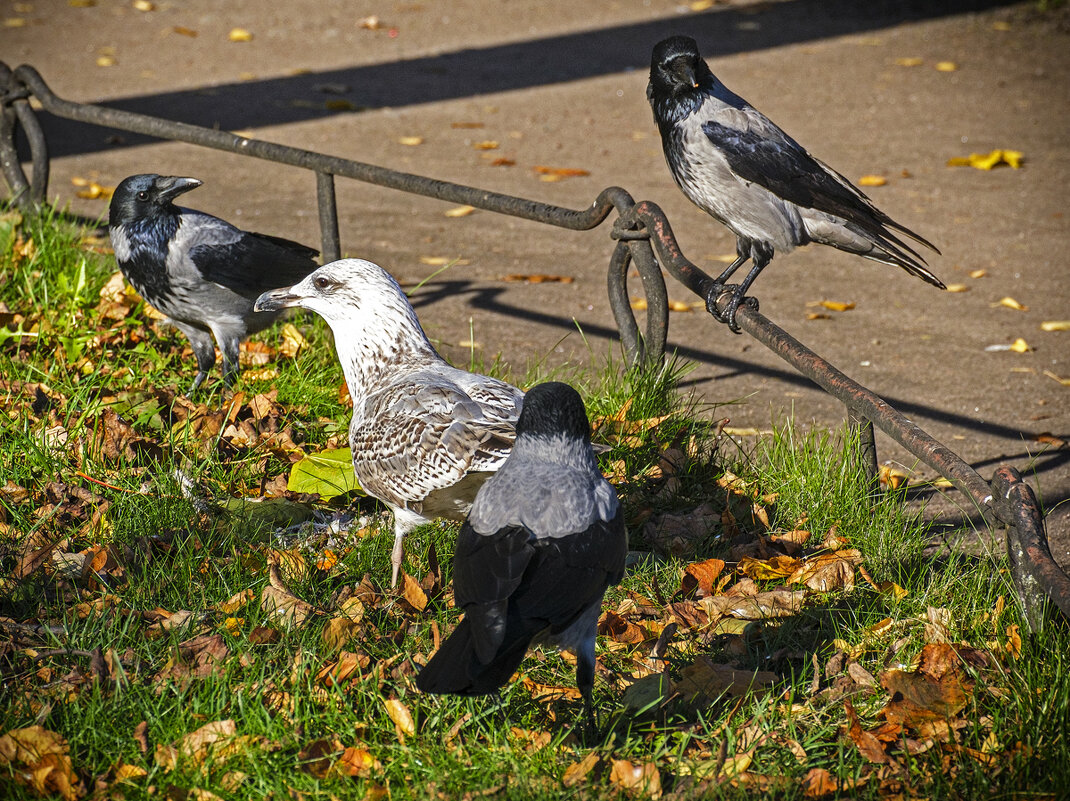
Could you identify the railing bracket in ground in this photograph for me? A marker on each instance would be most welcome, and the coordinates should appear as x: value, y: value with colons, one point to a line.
x: 643, y: 237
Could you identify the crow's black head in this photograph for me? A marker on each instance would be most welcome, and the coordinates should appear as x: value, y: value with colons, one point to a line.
x: 677, y: 69
x: 552, y: 409
x: 144, y: 197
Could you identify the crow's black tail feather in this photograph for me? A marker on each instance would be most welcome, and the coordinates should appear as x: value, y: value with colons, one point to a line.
x: 455, y: 669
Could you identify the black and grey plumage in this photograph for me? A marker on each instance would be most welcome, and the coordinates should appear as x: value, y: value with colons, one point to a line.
x: 198, y: 270
x: 424, y: 435
x: 543, y: 541
x: 734, y: 163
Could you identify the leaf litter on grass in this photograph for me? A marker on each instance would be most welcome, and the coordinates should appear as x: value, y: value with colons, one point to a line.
x: 751, y: 649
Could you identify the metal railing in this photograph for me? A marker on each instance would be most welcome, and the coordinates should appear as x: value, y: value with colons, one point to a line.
x: 643, y: 237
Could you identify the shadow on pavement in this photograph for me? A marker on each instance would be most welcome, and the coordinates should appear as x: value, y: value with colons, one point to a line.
x: 499, y: 68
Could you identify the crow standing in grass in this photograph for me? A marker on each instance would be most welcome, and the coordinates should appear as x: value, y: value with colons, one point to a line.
x: 735, y: 164
x: 543, y: 541
x: 424, y: 435
x: 201, y: 272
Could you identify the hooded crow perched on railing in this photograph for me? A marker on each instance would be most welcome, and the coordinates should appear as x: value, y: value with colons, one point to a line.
x: 735, y: 164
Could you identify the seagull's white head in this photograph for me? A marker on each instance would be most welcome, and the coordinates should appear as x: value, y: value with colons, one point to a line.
x: 373, y: 322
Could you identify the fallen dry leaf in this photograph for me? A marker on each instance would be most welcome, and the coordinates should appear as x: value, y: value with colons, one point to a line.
x: 946, y: 66
x: 459, y: 211
x: 1055, y: 325
x: 986, y: 161
x: 239, y: 35
x: 538, y: 278
x: 836, y: 305
x: 872, y: 180
x: 703, y: 677
x: 642, y: 779
x: 701, y: 576
x: 37, y: 757
x: 957, y: 288
x: 404, y: 724
x: 578, y: 771
x: 560, y: 172
x: 909, y: 61
x: 1010, y: 303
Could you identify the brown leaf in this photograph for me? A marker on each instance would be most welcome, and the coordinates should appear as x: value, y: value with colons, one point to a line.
x: 578, y: 771
x: 197, y: 745
x: 339, y: 631
x: 413, y: 593
x: 828, y: 572
x: 141, y: 736
x: 280, y: 603
x: 701, y: 576
x: 703, y: 677
x: 197, y: 658
x: 619, y: 629
x: 562, y: 172
x: 868, y: 746
x: 642, y: 779
x: 937, y: 690
x: 37, y: 757
x: 539, y: 278
x: 357, y: 761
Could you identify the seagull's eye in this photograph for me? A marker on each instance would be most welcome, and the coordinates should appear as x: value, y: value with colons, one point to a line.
x: 142, y: 195
x: 322, y: 283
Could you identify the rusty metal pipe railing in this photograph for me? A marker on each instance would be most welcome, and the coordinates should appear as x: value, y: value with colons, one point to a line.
x: 645, y: 239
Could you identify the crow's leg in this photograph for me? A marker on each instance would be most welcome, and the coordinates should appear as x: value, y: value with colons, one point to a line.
x: 203, y: 348
x: 230, y: 344
x: 761, y: 254
x: 585, y: 683
x: 743, y: 252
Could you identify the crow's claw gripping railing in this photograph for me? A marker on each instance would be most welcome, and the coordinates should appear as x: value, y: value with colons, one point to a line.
x: 643, y: 237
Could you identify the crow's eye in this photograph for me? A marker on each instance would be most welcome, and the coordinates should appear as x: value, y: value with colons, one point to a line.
x: 323, y: 283
x: 142, y: 195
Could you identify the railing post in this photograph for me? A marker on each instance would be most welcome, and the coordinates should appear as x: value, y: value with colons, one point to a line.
x: 866, y: 451
x: 331, y: 247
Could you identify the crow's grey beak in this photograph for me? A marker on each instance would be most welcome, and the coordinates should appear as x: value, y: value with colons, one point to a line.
x: 171, y: 186
x: 276, y: 300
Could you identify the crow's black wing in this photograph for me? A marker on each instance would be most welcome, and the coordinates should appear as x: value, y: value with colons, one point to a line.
x: 253, y: 263
x: 487, y: 569
x: 772, y: 159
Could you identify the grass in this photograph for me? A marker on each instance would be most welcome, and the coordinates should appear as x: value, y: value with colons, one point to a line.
x: 135, y: 559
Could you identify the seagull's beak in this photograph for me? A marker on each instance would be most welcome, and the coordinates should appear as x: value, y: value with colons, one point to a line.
x: 171, y: 186
x: 277, y: 300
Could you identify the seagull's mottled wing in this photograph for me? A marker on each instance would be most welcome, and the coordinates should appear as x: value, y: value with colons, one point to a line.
x: 763, y: 154
x: 415, y: 438
x: 246, y: 263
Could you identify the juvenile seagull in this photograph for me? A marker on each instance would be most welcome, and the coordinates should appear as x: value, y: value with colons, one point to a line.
x: 735, y: 164
x: 424, y: 435
x: 543, y: 541
x: 198, y: 270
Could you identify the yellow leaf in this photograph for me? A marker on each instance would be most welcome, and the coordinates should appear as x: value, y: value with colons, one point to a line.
x: 835, y: 305
x: 125, y: 773
x: 910, y: 61
x: 986, y: 161
x: 184, y: 31
x: 1011, y: 303
x: 233, y: 625
x: 564, y: 172
x: 14, y: 22
x: 105, y: 61
x: 818, y: 316
x: 946, y: 66
x: 293, y: 341
x: 978, y: 273
x: 700, y: 5
x: 414, y: 593
x: 441, y: 261
x: 872, y: 180
x: 577, y: 772
x: 81, y: 3
x: 1019, y: 346
x: 957, y: 288
x: 1055, y: 325
x: 1064, y: 381
x: 143, y: 5
x: 411, y: 141
x: 488, y: 144
x: 679, y: 306
x: 239, y: 35
x: 460, y: 211
x: 639, y: 304
x: 402, y: 717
